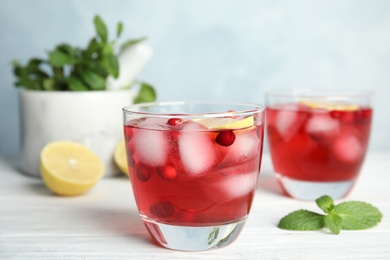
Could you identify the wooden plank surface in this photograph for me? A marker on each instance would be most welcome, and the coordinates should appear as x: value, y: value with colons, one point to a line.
x: 104, y: 223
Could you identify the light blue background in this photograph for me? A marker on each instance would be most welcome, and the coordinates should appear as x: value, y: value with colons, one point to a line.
x: 220, y: 49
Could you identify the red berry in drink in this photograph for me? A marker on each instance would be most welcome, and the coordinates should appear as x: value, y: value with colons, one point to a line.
x: 143, y: 174
x: 168, y: 172
x: 225, y: 138
x: 363, y: 116
x: 162, y: 209
x: 174, y: 121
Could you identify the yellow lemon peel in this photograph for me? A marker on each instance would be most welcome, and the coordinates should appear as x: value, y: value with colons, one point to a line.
x: 226, y: 123
x: 329, y: 105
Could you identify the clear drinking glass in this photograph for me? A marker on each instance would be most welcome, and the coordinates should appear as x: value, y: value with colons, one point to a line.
x: 318, y: 139
x: 194, y: 168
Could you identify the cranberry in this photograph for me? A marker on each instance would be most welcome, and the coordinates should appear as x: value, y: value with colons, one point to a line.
x: 335, y: 114
x: 143, y: 174
x: 168, y: 173
x: 162, y: 209
x: 174, y: 121
x: 225, y: 138
x: 364, y: 116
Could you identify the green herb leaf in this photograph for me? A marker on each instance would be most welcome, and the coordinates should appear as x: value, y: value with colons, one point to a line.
x: 76, y: 69
x: 48, y: 84
x: 59, y: 58
x: 101, y: 29
x: 132, y: 42
x: 93, y: 80
x: 349, y: 215
x: 112, y: 65
x: 145, y: 94
x: 119, y: 29
x: 76, y: 85
x: 326, y: 203
x: 334, y: 223
x: 302, y: 220
x: 358, y: 215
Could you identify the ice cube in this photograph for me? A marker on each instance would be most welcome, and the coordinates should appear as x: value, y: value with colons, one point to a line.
x: 197, y: 151
x: 322, y: 127
x: 151, y: 146
x: 288, y: 121
x: 348, y: 148
x: 246, y: 146
x: 231, y: 187
x: 153, y: 123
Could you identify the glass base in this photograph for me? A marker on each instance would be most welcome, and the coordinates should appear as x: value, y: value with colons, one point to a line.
x: 186, y: 238
x: 309, y: 190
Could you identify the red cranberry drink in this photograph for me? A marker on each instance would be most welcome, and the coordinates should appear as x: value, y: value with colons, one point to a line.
x: 194, y: 168
x: 318, y: 143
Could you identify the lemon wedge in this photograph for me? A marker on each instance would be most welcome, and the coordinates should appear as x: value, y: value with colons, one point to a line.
x: 226, y: 123
x: 69, y: 168
x: 120, y: 157
x: 329, y: 105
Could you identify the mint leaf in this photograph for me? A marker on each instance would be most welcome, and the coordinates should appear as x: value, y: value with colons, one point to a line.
x: 349, y: 215
x: 302, y: 220
x: 326, y: 203
x: 132, y: 42
x: 93, y: 80
x: 119, y: 29
x: 101, y: 28
x: 358, y: 215
x: 145, y: 94
x: 59, y: 58
x: 334, y: 223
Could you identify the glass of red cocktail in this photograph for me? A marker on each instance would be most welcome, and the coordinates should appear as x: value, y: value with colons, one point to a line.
x: 318, y: 140
x: 194, y: 168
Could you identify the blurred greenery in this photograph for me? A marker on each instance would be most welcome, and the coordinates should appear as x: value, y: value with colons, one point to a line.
x: 69, y: 68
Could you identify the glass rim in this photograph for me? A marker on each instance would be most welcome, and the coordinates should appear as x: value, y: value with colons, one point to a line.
x: 319, y: 93
x: 252, y: 108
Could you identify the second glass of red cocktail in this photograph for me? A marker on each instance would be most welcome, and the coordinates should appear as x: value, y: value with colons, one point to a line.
x: 318, y: 139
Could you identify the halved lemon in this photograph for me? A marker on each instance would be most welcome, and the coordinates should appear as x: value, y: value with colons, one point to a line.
x: 329, y: 105
x: 120, y: 157
x: 69, y: 168
x: 226, y: 122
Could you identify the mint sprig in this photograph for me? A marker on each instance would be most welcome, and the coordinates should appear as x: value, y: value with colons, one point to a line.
x: 349, y: 215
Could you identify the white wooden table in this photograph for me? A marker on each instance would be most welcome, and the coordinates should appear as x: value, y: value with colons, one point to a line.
x: 104, y: 223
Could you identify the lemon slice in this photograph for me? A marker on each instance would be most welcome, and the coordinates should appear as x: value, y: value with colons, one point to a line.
x: 120, y: 157
x: 329, y: 105
x: 226, y: 123
x: 69, y: 168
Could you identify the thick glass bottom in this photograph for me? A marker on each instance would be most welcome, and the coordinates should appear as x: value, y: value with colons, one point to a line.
x: 201, y: 238
x: 309, y: 190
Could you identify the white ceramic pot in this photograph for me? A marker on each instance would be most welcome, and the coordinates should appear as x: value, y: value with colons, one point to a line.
x: 92, y: 118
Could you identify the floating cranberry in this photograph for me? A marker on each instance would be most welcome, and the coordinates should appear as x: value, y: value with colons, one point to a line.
x: 162, y: 209
x: 168, y: 173
x: 143, y: 174
x: 225, y: 138
x: 364, y: 116
x: 335, y: 114
x: 174, y: 121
